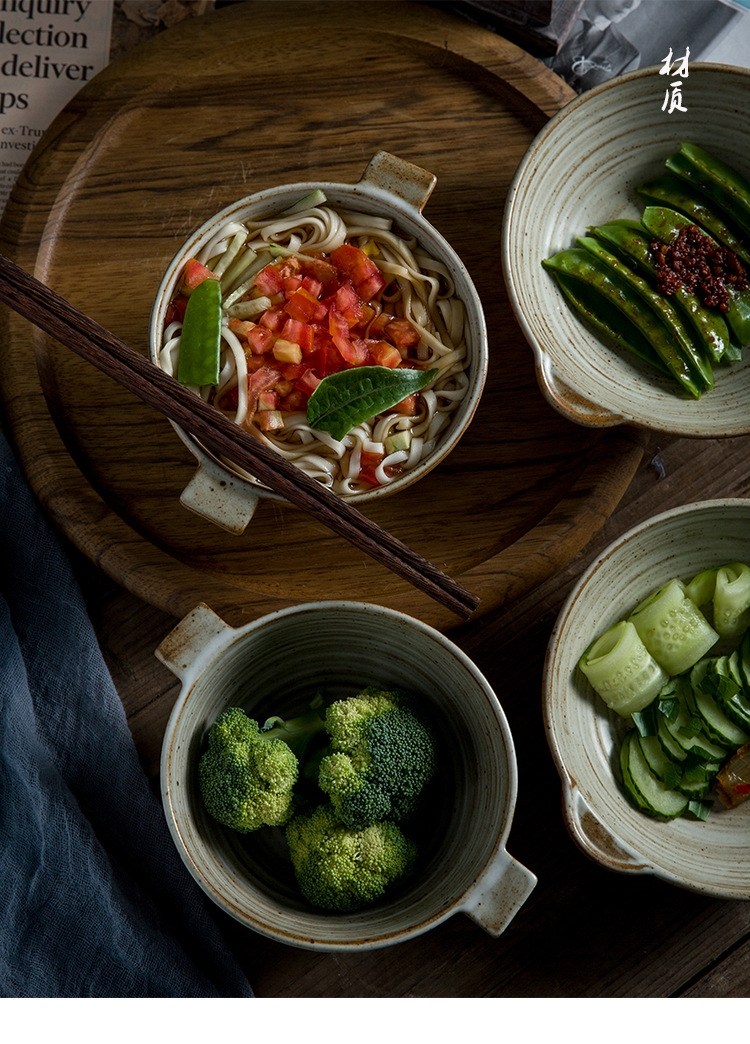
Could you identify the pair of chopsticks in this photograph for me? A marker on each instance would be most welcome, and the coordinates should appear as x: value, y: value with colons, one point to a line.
x: 57, y: 317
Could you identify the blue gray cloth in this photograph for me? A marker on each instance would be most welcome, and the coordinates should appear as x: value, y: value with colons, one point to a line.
x: 94, y: 899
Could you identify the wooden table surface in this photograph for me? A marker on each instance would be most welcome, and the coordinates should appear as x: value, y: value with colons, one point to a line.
x: 585, y: 931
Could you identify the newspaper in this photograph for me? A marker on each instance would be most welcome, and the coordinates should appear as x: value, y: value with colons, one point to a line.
x: 616, y: 36
x: 49, y: 50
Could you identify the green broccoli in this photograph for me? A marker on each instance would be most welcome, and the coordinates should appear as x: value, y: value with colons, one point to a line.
x: 341, y: 869
x: 381, y: 756
x: 248, y: 773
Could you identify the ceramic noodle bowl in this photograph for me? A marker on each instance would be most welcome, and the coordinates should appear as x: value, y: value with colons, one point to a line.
x: 712, y: 857
x: 275, y: 665
x: 390, y: 187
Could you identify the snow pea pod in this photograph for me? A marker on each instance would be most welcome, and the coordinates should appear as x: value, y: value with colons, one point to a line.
x: 666, y: 225
x: 725, y: 186
x: 631, y: 241
x: 606, y: 320
x: 200, y: 340
x: 664, y: 310
x: 583, y: 267
x: 671, y: 191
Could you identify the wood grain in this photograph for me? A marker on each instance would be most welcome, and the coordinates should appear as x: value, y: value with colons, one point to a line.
x: 585, y: 932
x: 186, y: 124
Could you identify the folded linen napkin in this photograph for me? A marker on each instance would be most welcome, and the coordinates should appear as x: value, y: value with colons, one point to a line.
x: 94, y: 899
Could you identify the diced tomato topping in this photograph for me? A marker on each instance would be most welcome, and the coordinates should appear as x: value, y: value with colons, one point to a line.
x: 357, y: 266
x: 300, y: 333
x: 376, y: 329
x: 293, y: 371
x: 260, y: 339
x: 273, y: 318
x: 194, y: 273
x: 313, y: 286
x: 308, y: 382
x: 241, y: 327
x: 261, y: 380
x: 367, y: 466
x: 402, y: 333
x: 269, y: 281
x: 176, y: 310
x: 353, y: 351
x: 320, y: 269
x: 385, y: 354
x: 348, y: 303
x: 292, y: 284
x: 294, y: 402
x: 327, y: 358
x: 407, y: 406
x: 321, y: 321
x: 303, y: 305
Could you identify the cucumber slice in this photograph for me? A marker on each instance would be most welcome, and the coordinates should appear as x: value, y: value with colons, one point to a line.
x: 662, y: 766
x: 708, y: 677
x: 641, y: 785
x: 621, y: 670
x: 670, y: 745
x: 316, y: 198
x: 701, y: 588
x: 732, y: 600
x: 673, y: 629
x: 730, y: 691
x: 686, y: 728
x: 743, y: 651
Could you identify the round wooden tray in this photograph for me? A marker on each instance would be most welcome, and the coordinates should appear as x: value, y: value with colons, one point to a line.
x: 212, y: 110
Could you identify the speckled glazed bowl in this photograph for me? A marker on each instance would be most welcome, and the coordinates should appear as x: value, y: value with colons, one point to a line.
x: 275, y: 665
x: 580, y: 170
x: 712, y: 857
x: 389, y: 187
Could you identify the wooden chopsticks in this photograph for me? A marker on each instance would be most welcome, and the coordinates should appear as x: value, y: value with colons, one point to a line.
x: 57, y: 317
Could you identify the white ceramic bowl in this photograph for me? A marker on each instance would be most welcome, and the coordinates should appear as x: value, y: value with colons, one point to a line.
x: 712, y: 857
x: 581, y: 170
x: 389, y: 187
x: 275, y: 665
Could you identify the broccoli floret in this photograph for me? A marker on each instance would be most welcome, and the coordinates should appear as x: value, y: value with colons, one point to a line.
x: 248, y: 773
x: 342, y: 869
x: 381, y: 756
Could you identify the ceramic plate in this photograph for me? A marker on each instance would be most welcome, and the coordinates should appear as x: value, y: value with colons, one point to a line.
x: 582, y: 169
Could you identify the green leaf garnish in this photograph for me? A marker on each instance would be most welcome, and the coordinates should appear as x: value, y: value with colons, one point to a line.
x: 345, y: 399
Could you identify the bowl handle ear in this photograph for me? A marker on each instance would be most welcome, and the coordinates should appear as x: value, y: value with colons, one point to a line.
x: 499, y: 894
x: 194, y: 636
x: 213, y: 494
x: 595, y: 840
x: 398, y: 177
x: 569, y: 403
